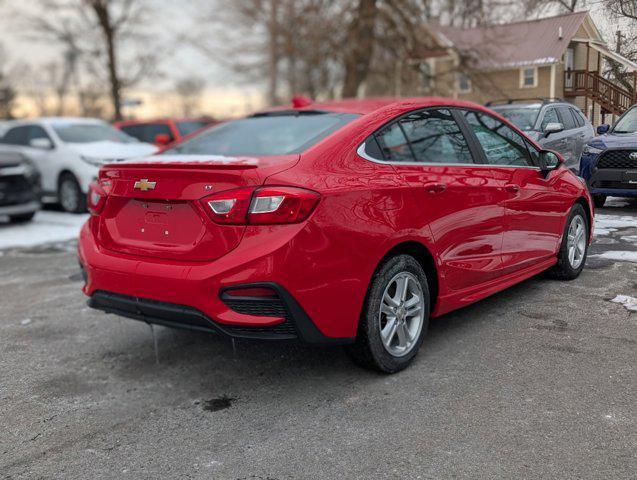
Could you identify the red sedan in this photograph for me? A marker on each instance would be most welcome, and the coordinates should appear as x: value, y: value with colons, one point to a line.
x: 350, y: 223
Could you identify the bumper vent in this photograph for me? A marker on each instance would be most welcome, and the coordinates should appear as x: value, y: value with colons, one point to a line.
x: 617, y: 159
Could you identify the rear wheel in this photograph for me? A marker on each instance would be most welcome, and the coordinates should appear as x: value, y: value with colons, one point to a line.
x: 599, y: 200
x: 574, y: 248
x: 395, y: 316
x: 70, y: 195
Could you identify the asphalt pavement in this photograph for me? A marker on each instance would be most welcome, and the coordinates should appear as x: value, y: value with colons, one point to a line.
x: 538, y: 381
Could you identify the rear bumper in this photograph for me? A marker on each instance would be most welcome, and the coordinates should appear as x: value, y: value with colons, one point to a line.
x: 192, y: 295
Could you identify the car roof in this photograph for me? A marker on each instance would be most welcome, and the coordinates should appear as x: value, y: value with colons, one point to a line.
x: 370, y: 105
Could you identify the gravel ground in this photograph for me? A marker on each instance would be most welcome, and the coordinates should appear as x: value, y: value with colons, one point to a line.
x: 538, y: 381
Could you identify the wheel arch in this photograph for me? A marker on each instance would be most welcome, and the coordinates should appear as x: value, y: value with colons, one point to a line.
x: 589, y: 214
x: 64, y: 172
x: 423, y: 255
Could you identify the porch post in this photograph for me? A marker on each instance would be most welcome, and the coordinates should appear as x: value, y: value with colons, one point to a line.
x: 588, y: 66
x: 635, y: 85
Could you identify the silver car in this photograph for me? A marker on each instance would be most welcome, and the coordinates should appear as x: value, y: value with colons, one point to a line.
x: 554, y: 124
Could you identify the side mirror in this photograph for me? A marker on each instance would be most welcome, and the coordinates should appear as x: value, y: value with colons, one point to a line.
x: 603, y: 128
x: 162, y: 139
x: 41, y: 143
x: 553, y: 128
x: 550, y: 160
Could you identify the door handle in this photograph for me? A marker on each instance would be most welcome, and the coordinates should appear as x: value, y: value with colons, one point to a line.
x: 435, y: 187
x: 512, y: 187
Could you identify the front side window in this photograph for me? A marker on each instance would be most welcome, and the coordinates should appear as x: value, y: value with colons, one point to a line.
x: 280, y: 133
x: 627, y: 123
x: 90, y: 132
x: 501, y: 144
x: 528, y: 77
x: 435, y: 137
x: 550, y: 116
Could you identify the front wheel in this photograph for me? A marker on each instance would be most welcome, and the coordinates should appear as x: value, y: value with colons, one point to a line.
x: 574, y: 247
x: 395, y: 316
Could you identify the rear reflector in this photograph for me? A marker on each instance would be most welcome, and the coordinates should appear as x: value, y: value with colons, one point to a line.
x: 262, y: 206
x: 256, y: 292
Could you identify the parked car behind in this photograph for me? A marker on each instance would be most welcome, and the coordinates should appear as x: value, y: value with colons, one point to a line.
x: 554, y: 124
x: 609, y: 162
x: 68, y: 153
x: 347, y: 222
x: 19, y: 187
x: 162, y: 132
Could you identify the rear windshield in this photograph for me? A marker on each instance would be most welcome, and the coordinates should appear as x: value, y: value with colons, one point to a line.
x: 523, y: 118
x: 186, y: 128
x: 263, y: 135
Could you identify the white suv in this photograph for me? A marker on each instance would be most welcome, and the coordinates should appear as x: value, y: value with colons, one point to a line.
x: 68, y: 152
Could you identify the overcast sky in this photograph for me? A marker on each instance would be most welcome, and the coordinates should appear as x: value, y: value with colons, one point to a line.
x: 168, y: 20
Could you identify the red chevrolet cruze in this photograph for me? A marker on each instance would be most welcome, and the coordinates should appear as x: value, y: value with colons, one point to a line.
x: 349, y: 223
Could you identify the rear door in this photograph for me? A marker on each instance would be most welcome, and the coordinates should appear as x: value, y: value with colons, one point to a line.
x: 455, y: 197
x: 533, y: 207
x: 571, y: 132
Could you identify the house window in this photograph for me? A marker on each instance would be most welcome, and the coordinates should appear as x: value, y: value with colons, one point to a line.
x: 464, y: 83
x: 528, y: 77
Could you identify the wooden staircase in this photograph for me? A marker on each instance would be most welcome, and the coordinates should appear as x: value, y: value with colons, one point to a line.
x: 612, y: 98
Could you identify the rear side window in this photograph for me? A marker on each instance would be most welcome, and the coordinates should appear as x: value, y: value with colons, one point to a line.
x: 501, y: 144
x: 147, y: 132
x: 567, y: 118
x: 279, y: 133
x: 427, y: 136
x: 394, y: 144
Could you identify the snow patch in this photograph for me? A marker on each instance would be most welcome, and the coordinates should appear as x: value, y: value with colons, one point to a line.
x: 45, y: 227
x: 619, y: 255
x: 604, y: 224
x: 627, y: 301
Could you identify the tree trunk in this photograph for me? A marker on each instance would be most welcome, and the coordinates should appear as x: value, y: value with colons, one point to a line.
x: 273, y: 46
x: 108, y: 31
x: 361, y: 45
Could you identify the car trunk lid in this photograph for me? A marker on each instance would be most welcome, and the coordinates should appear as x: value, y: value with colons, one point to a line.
x: 154, y: 206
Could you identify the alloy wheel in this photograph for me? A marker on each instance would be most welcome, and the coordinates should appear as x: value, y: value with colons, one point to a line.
x: 401, y: 314
x: 576, y: 242
x: 69, y: 195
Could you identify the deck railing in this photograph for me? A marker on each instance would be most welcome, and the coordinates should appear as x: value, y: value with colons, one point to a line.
x: 613, y: 98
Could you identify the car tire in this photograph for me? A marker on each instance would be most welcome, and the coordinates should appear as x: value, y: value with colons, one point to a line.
x: 25, y: 217
x: 599, y: 200
x: 389, y: 343
x: 570, y: 263
x: 70, y: 195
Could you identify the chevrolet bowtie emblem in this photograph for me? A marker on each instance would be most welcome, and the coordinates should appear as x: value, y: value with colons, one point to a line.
x: 144, y: 184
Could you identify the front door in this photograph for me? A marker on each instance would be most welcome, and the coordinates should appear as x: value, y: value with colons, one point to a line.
x: 457, y: 198
x: 533, y: 208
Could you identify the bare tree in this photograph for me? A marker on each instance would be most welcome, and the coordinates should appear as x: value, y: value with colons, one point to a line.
x: 189, y: 91
x: 91, y: 33
x: 8, y: 94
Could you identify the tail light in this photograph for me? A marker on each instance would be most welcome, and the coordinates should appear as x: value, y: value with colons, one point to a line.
x: 96, y: 198
x: 262, y: 206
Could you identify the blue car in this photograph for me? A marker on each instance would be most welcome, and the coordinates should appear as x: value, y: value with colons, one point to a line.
x: 609, y: 162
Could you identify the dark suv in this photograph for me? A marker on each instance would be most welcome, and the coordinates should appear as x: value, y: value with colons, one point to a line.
x: 609, y: 162
x: 554, y: 124
x: 19, y: 187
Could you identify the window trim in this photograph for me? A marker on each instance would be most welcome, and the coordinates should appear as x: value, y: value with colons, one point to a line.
x: 535, y: 77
